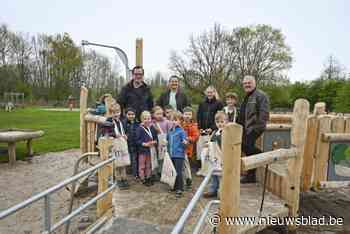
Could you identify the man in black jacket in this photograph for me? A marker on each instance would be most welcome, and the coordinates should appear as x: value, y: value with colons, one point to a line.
x: 173, y: 96
x: 254, y: 114
x: 136, y: 94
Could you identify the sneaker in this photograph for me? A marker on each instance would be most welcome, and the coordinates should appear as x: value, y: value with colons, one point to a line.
x: 210, y: 195
x: 126, y: 184
x: 188, y: 182
x: 178, y: 193
x: 172, y: 190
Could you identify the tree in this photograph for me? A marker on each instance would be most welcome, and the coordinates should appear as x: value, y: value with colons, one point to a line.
x: 333, y: 70
x: 260, y: 51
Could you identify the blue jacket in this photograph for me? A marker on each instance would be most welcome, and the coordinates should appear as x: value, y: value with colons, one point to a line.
x: 143, y: 137
x: 176, y: 147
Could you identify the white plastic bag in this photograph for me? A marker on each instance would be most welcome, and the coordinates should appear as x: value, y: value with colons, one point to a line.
x: 154, y: 158
x: 215, y: 156
x: 202, y: 140
x: 120, y: 151
x: 168, y: 171
x: 162, y: 145
x: 187, y: 169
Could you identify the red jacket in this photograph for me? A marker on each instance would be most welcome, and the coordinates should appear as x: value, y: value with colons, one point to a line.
x: 192, y: 132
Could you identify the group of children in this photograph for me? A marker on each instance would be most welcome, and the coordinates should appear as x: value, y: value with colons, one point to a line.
x: 162, y: 131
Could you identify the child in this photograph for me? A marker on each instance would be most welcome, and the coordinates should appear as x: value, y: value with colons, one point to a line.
x: 230, y: 108
x: 191, y: 129
x: 220, y: 121
x: 168, y: 111
x: 117, y: 130
x: 177, y: 140
x: 146, y: 138
x: 131, y: 126
x: 162, y: 125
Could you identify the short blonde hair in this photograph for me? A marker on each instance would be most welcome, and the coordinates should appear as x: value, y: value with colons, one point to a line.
x: 143, y: 114
x: 115, y: 107
x: 220, y: 115
x: 176, y: 115
x: 157, y: 108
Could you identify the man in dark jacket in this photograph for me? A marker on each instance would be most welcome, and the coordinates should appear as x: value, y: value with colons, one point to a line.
x: 254, y: 114
x: 136, y: 94
x: 173, y: 96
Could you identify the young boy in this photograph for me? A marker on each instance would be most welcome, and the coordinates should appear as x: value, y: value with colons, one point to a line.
x: 131, y: 125
x: 191, y: 129
x: 116, y: 130
x: 230, y: 108
x: 177, y: 141
x: 168, y: 111
x: 220, y: 121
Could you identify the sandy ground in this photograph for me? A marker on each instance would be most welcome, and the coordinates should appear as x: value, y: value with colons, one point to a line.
x: 147, y: 209
x: 29, y: 178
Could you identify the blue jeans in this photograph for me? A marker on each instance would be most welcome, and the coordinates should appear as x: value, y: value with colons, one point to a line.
x: 214, y: 185
x: 178, y: 164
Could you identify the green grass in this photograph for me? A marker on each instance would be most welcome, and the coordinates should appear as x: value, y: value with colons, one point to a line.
x: 61, y: 129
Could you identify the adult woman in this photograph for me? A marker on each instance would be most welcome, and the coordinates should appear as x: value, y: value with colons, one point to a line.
x: 173, y: 96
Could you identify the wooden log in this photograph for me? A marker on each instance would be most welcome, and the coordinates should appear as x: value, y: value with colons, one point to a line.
x: 12, y: 135
x: 230, y: 189
x: 30, y: 148
x: 338, y: 124
x: 109, y: 102
x: 298, y: 137
x: 331, y: 137
x: 105, y: 203
x: 83, y: 108
x: 309, y: 152
x: 322, y: 150
x: 277, y: 127
x: 280, y: 119
x: 139, y: 52
x: 95, y: 118
x: 262, y: 159
x: 12, y: 153
x: 320, y: 108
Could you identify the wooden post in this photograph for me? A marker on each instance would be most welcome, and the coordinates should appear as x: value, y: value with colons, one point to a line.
x: 322, y: 151
x: 139, y: 52
x: 30, y: 148
x: 109, y: 101
x: 83, y: 108
x: 347, y: 125
x: 309, y: 152
x: 320, y: 108
x: 12, y: 153
x: 230, y: 189
x: 338, y: 124
x: 298, y: 137
x: 105, y: 203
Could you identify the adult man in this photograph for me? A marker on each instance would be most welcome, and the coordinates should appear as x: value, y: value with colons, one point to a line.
x: 254, y: 114
x: 173, y: 96
x: 136, y: 94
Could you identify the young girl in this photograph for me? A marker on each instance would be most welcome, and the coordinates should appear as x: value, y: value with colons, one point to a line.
x: 230, y: 108
x: 177, y: 141
x: 117, y: 130
x: 191, y: 129
x: 162, y: 125
x: 220, y: 121
x: 146, y: 138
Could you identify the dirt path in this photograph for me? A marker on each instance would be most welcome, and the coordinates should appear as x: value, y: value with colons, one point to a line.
x: 29, y: 178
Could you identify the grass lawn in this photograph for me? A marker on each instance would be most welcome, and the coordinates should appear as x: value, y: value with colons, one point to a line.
x: 61, y: 129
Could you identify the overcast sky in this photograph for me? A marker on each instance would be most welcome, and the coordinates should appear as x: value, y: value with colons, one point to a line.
x: 313, y: 29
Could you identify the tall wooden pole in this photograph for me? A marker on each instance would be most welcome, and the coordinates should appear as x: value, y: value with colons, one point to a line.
x: 230, y: 185
x: 83, y: 108
x: 139, y: 52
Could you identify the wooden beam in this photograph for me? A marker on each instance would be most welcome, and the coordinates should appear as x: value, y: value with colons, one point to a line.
x: 331, y: 137
x: 322, y: 152
x: 298, y: 137
x: 309, y: 152
x: 30, y: 148
x: 139, y: 52
x: 273, y: 126
x: 105, y: 203
x: 334, y: 184
x: 347, y: 125
x: 262, y: 159
x: 280, y: 118
x: 12, y: 153
x: 109, y: 100
x: 230, y: 185
x: 95, y: 118
x: 83, y: 108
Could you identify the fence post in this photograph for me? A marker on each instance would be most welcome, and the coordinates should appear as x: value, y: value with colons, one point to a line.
x: 298, y: 137
x: 83, y: 107
x: 139, y: 52
x: 230, y: 185
x: 104, y: 173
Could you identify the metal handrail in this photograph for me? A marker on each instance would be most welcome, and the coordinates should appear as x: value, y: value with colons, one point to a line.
x: 203, y: 215
x: 185, y: 215
x: 46, y: 195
